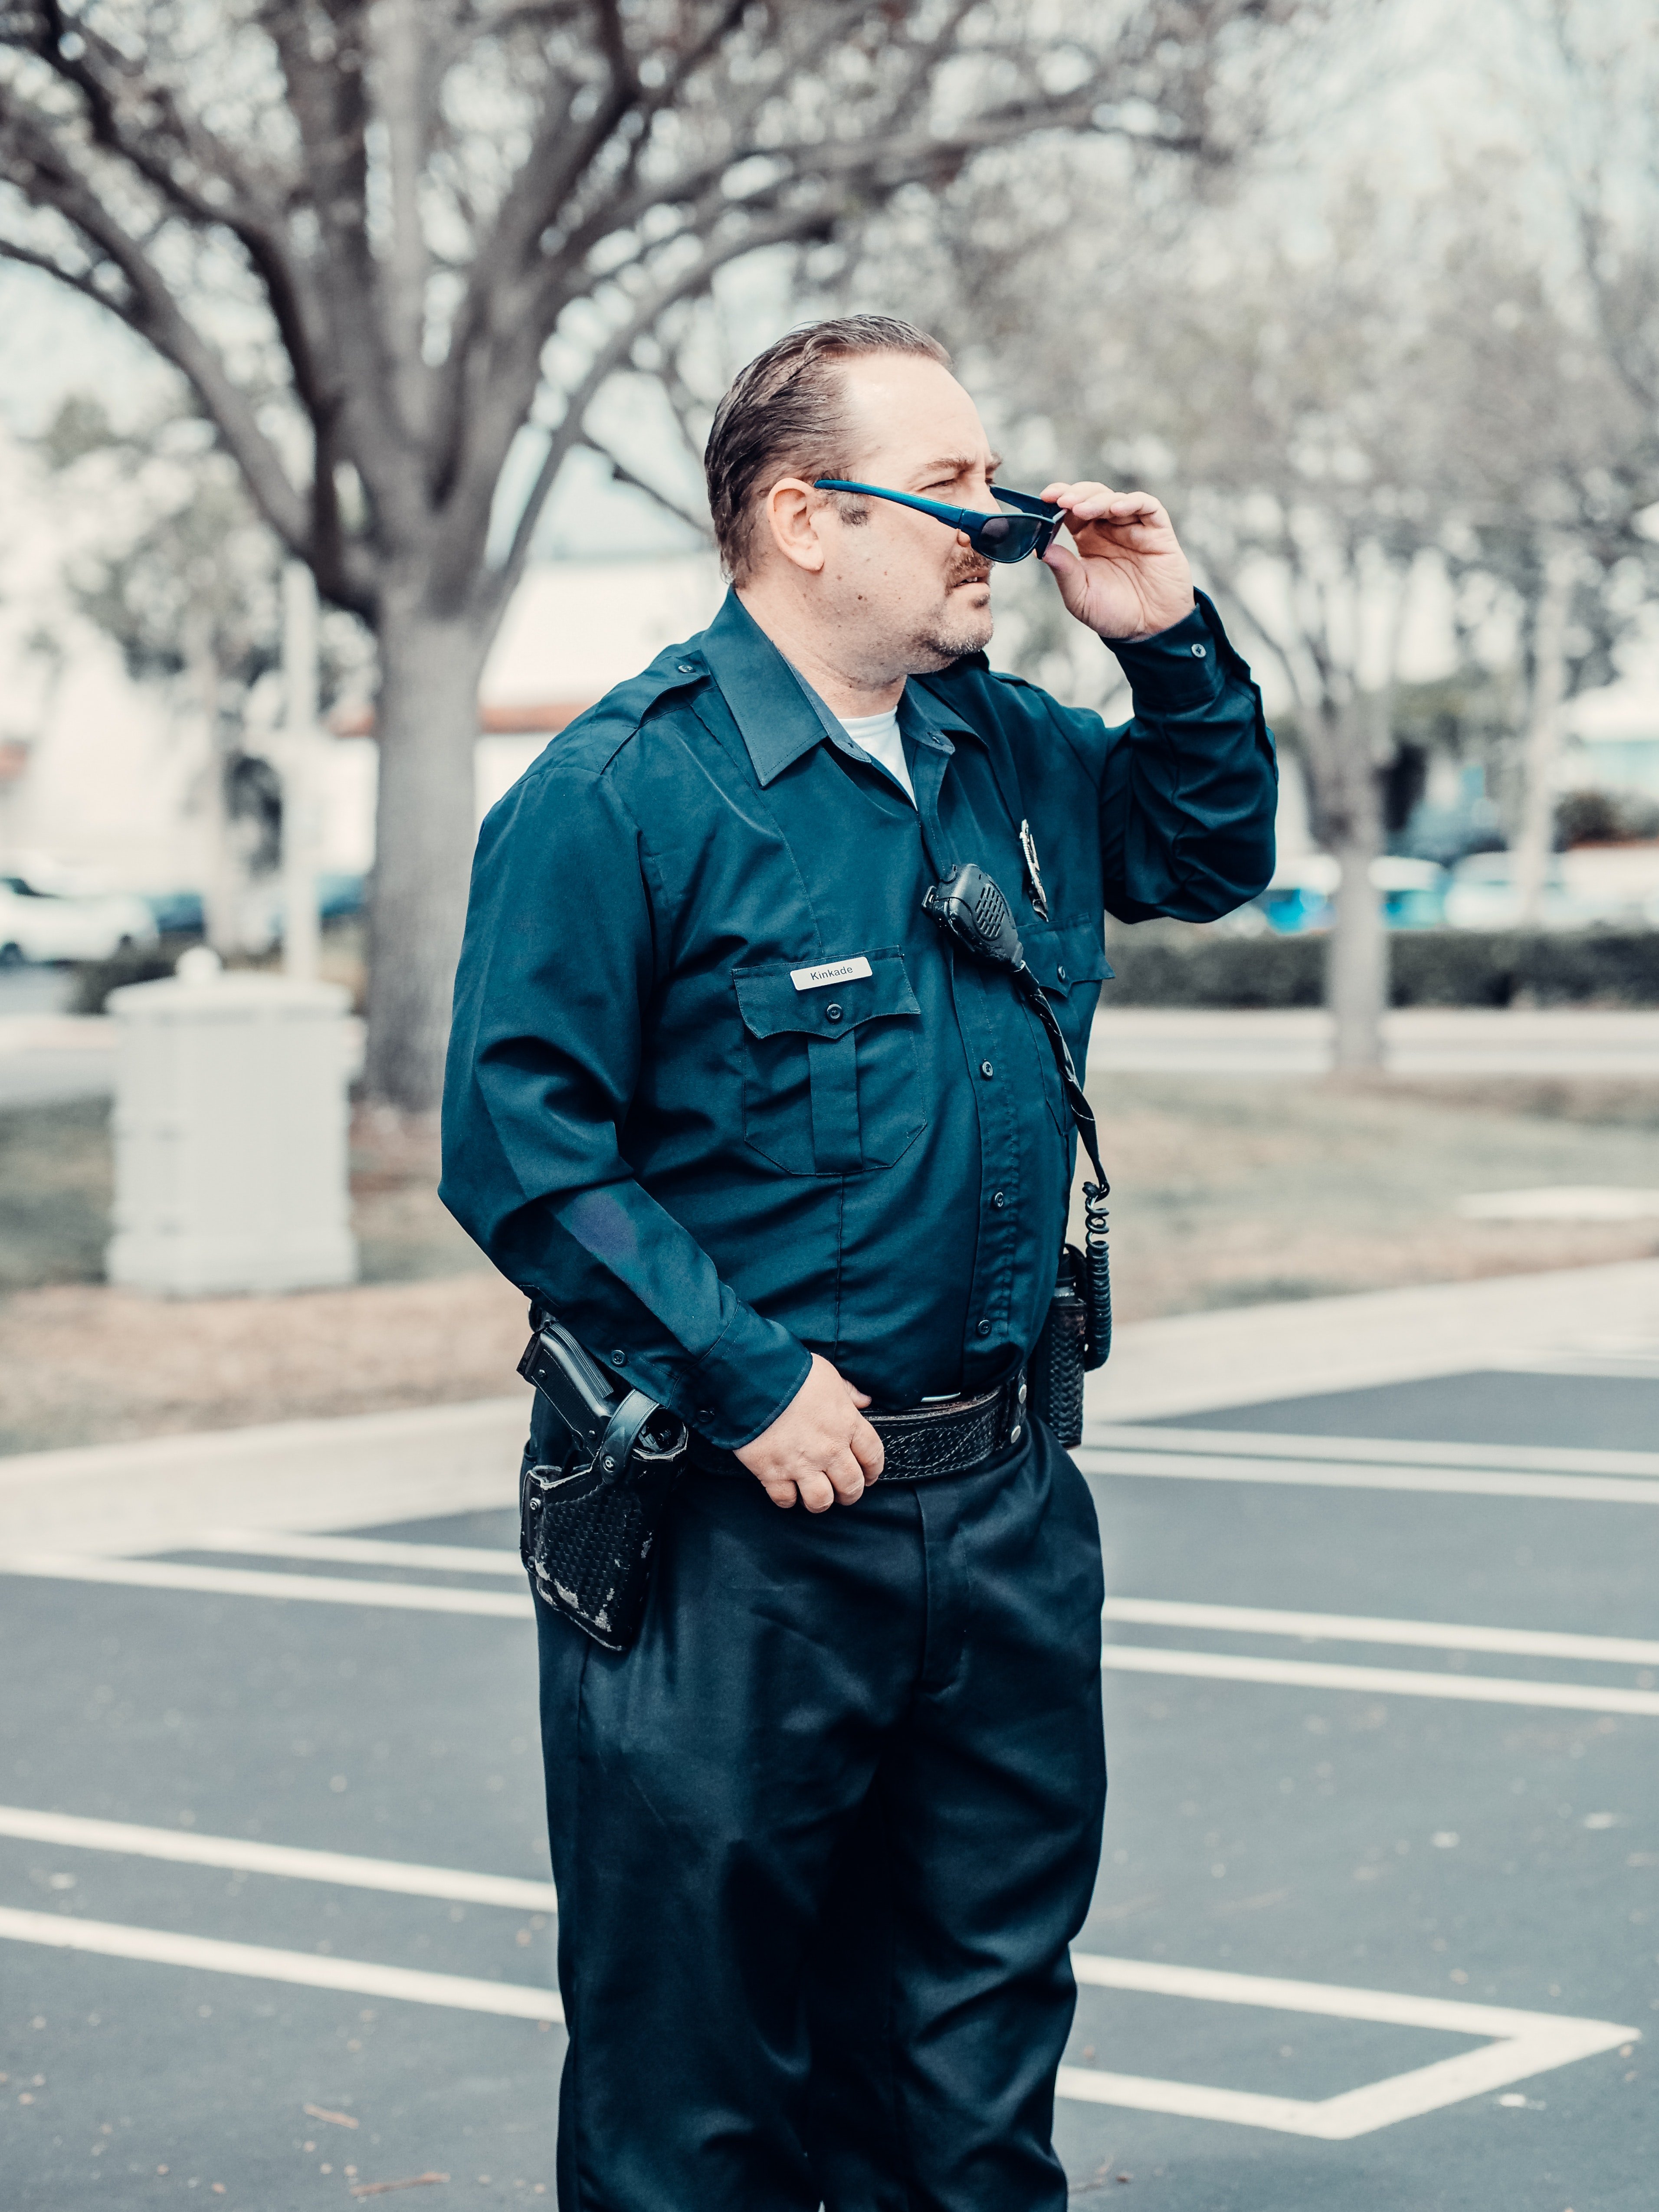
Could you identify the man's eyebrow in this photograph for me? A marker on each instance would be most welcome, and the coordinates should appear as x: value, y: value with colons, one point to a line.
x: 958, y: 465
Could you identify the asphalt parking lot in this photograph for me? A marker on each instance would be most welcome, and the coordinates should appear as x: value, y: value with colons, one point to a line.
x: 1375, y: 1926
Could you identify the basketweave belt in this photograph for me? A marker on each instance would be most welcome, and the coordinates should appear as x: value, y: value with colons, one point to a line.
x: 922, y: 1441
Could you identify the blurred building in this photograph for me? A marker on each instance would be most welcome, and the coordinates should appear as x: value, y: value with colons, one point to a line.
x: 1613, y: 738
x: 106, y: 775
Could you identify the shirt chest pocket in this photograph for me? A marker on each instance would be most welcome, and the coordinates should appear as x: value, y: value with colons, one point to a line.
x: 1070, y: 963
x: 830, y: 1075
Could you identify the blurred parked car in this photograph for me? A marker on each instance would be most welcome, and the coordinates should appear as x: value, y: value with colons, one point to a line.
x: 1302, y: 893
x: 338, y: 895
x: 177, y: 914
x: 1484, y: 895
x: 37, y: 924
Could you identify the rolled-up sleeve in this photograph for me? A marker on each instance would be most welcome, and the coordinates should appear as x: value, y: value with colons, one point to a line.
x: 1190, y: 785
x: 557, y: 965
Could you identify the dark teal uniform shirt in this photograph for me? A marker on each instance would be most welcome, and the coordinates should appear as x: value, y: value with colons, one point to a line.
x: 707, y: 1159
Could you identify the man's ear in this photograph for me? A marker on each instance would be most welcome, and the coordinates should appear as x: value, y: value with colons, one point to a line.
x: 793, y: 510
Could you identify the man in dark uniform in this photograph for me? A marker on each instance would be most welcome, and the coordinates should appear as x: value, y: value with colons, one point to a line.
x: 725, y: 1098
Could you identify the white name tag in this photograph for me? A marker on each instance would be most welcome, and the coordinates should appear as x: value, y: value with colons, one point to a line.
x: 832, y: 972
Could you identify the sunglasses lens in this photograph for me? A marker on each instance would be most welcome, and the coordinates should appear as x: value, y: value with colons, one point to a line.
x: 1006, y: 537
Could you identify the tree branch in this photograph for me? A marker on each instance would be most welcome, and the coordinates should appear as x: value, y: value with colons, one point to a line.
x: 610, y: 357
x: 256, y: 223
x: 51, y: 179
x: 622, y: 474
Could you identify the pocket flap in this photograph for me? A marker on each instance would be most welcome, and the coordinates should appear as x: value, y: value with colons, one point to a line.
x: 1061, y: 958
x: 771, y: 1005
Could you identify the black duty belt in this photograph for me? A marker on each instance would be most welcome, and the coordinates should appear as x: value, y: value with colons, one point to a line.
x: 922, y: 1441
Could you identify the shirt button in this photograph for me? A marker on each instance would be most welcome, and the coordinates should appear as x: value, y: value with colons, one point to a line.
x: 984, y: 1328
x: 690, y: 668
x: 617, y: 1358
x: 1060, y: 972
x: 998, y: 1200
x: 832, y: 1013
x: 1199, y: 651
x: 986, y: 1070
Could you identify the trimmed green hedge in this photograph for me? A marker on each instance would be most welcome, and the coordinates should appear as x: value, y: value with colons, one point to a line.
x: 1169, y: 964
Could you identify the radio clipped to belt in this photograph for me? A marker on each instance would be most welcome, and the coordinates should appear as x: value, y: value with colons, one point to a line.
x: 1077, y: 1336
x: 589, y: 1516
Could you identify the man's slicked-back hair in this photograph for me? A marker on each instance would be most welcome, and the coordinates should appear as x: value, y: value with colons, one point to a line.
x: 784, y: 416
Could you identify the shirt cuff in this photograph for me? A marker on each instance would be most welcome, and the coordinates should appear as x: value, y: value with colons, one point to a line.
x: 1180, y: 668
x: 750, y: 1372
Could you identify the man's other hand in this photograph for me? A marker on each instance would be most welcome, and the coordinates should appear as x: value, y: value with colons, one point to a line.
x: 820, y: 1448
x: 1128, y: 578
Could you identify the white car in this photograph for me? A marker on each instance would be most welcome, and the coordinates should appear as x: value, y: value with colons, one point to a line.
x: 1484, y: 895
x: 41, y: 925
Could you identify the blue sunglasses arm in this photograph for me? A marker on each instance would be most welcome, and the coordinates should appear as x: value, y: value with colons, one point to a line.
x: 964, y: 518
x: 960, y: 517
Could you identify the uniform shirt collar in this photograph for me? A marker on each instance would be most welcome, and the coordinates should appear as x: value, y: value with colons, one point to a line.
x: 779, y: 717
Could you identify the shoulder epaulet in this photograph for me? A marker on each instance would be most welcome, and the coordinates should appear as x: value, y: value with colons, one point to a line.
x: 594, y: 737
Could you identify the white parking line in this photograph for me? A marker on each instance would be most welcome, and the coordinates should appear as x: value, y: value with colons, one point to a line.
x: 1528, y: 2042
x: 426, y: 1597
x: 1377, y: 1451
x: 251, y: 1582
x: 1463, y: 1482
x: 357, y: 1551
x: 1360, y: 1628
x: 1386, y: 1681
x: 245, y: 1855
x: 361, y: 1977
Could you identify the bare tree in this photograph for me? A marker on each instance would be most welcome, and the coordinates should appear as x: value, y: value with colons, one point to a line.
x: 1549, y: 465
x: 1590, y: 559
x: 397, y: 248
x: 1269, y: 396
x: 175, y: 566
x: 1349, y: 402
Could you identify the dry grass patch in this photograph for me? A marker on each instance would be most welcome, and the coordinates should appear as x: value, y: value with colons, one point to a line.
x: 1226, y: 1192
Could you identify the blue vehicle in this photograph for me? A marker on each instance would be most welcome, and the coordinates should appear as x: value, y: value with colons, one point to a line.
x: 1301, y: 897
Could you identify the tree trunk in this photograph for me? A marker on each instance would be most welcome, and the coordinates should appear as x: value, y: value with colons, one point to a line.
x: 1536, y: 840
x: 425, y: 829
x: 1356, y: 979
x: 1356, y: 974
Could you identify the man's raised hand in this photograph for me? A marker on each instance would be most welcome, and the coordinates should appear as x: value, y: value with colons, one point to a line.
x: 1128, y: 578
x: 820, y: 1448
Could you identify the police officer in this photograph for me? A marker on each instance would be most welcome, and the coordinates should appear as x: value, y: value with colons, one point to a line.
x: 724, y: 1098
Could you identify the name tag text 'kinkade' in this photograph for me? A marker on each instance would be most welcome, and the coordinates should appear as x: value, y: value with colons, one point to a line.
x: 831, y: 971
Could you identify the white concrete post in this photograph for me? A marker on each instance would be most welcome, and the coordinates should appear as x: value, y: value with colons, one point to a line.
x: 231, y: 1121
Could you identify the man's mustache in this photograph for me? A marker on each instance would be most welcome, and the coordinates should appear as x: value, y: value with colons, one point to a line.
x: 972, y: 572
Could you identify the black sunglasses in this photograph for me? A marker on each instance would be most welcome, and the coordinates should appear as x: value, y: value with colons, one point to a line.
x: 1031, y: 529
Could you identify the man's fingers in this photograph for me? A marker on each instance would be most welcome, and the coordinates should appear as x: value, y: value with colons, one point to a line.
x: 1099, y: 503
x: 817, y: 1492
x: 868, y: 1450
x: 845, y: 1477
x: 778, y: 1489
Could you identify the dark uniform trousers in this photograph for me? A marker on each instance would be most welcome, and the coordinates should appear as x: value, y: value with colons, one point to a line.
x: 821, y: 1839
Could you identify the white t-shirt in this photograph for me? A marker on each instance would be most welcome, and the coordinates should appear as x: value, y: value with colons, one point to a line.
x: 879, y: 736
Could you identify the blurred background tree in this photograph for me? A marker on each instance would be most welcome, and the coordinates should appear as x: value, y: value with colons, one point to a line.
x: 1367, y: 407
x: 177, y: 568
x: 397, y: 252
